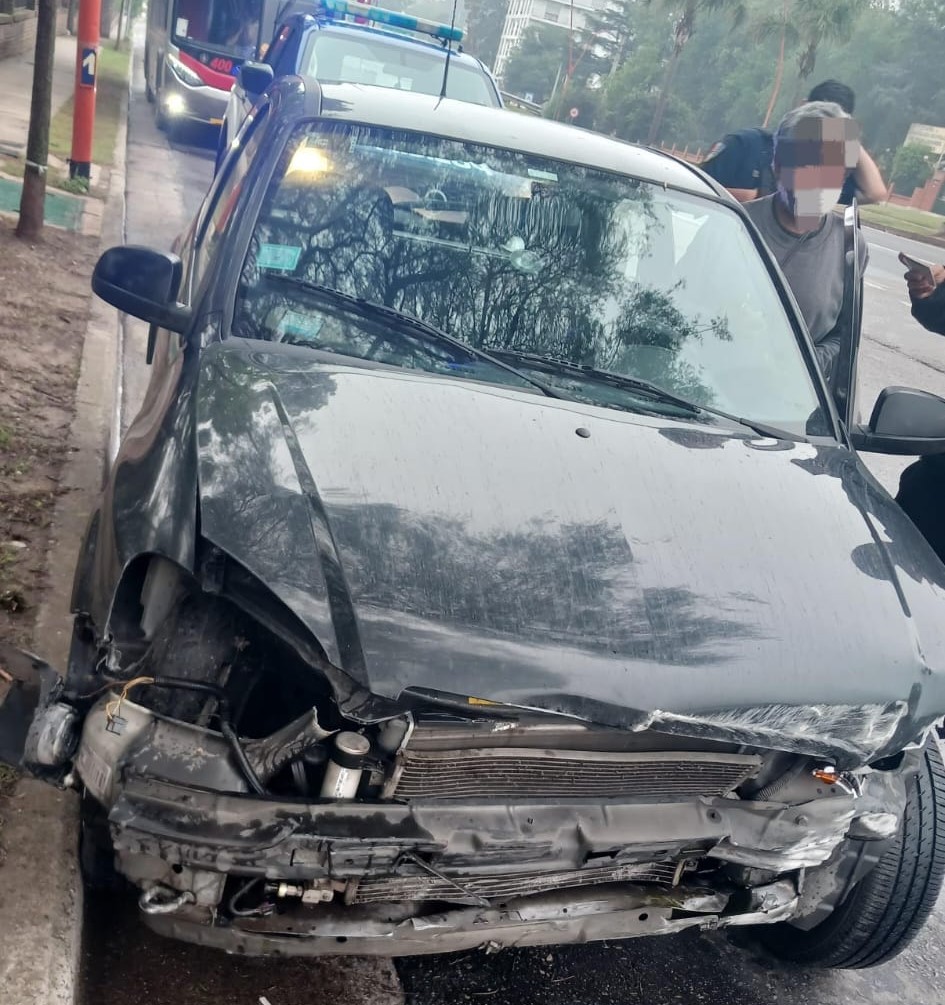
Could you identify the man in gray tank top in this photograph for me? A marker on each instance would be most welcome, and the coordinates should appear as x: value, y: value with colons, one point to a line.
x: 815, y: 146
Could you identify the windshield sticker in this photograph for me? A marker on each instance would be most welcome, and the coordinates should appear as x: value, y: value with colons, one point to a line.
x: 295, y: 324
x: 282, y: 257
x: 182, y: 25
x: 542, y: 175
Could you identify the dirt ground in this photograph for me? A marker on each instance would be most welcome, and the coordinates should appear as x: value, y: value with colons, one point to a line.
x: 44, y: 306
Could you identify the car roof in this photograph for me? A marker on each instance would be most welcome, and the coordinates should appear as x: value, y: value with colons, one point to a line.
x: 426, y: 42
x: 395, y: 109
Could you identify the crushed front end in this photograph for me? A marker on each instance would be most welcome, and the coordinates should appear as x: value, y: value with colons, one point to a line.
x: 443, y: 829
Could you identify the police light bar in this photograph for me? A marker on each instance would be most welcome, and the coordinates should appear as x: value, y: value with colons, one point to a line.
x: 394, y: 19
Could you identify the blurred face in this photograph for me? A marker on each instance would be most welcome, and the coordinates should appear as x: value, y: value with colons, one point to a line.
x: 812, y: 163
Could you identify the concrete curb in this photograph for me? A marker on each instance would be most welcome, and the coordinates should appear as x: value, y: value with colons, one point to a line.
x: 932, y: 242
x: 42, y: 888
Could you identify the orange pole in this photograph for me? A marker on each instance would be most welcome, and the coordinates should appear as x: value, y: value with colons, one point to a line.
x: 86, y: 79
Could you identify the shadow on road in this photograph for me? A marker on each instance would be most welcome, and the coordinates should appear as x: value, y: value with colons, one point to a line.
x: 122, y: 971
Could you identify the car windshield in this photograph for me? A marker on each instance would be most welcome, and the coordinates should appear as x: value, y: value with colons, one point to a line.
x: 348, y: 58
x: 227, y: 26
x: 566, y: 273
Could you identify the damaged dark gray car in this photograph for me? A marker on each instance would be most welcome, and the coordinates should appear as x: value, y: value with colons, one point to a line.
x: 489, y: 565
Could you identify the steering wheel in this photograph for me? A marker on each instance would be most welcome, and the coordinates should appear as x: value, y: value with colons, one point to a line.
x: 435, y: 195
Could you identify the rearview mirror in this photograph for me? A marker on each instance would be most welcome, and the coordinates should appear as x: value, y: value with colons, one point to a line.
x: 904, y: 421
x: 142, y: 283
x: 255, y: 78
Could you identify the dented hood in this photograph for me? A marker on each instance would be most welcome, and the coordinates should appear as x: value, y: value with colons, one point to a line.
x: 439, y: 535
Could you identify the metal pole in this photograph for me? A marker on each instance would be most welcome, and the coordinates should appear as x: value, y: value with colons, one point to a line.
x: 86, y: 76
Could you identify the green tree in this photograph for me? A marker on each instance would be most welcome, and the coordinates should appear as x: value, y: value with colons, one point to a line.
x: 818, y: 21
x: 683, y: 28
x: 484, y: 28
x: 630, y: 98
x: 912, y: 167
x: 610, y: 32
x: 540, y: 60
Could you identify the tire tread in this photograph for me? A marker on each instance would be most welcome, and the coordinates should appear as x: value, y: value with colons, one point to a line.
x: 886, y: 909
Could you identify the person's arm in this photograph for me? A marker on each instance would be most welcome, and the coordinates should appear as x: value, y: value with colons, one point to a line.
x: 730, y: 163
x: 864, y: 182
x: 743, y: 194
x: 827, y: 351
x: 928, y: 301
x: 870, y: 186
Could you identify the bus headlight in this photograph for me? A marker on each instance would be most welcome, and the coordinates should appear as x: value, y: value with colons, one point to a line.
x: 183, y: 73
x: 175, y: 105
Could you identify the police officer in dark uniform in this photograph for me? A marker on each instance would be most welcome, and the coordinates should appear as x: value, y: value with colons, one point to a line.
x: 741, y: 161
x: 922, y: 485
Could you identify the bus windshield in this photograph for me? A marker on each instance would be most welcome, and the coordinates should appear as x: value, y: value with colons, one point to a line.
x: 228, y: 26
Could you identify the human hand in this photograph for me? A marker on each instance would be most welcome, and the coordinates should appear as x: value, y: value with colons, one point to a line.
x: 921, y: 285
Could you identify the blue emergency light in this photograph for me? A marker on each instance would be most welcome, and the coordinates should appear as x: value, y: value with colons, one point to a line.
x: 395, y: 19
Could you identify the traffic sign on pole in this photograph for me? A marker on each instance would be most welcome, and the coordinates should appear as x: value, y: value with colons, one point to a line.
x: 86, y: 67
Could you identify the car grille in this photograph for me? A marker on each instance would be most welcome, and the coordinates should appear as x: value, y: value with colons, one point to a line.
x: 396, y: 889
x: 520, y: 773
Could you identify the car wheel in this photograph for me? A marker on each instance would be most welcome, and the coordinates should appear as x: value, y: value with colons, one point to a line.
x: 160, y: 116
x: 96, y: 855
x: 887, y: 908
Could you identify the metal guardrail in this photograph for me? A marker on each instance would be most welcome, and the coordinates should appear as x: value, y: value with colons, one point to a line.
x: 521, y: 104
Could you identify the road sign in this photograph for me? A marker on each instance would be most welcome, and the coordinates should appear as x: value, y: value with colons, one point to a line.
x: 574, y: 113
x: 87, y: 66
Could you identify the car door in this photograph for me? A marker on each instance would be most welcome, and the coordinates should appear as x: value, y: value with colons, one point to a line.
x: 845, y: 378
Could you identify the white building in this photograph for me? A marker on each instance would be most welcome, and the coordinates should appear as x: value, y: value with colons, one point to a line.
x: 523, y: 13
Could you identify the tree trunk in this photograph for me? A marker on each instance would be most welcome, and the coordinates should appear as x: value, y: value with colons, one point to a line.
x: 663, y: 101
x: 121, y: 16
x: 617, y: 61
x: 805, y: 67
x: 779, y: 72
x: 681, y: 35
x: 32, y: 200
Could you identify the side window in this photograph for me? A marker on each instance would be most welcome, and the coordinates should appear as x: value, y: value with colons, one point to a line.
x: 215, y: 222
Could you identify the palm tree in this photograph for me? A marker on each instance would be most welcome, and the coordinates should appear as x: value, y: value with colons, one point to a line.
x: 780, y: 26
x: 823, y: 21
x: 804, y: 25
x: 683, y: 28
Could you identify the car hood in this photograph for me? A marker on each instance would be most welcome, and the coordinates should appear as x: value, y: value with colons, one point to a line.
x: 441, y: 535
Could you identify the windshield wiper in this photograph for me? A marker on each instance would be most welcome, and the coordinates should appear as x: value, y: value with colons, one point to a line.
x: 407, y: 322
x: 651, y: 390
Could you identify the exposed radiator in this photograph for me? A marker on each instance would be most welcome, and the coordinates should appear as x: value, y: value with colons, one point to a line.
x: 396, y: 889
x: 523, y: 773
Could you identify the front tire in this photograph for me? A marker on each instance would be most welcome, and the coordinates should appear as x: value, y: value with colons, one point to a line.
x: 160, y: 116
x: 887, y: 908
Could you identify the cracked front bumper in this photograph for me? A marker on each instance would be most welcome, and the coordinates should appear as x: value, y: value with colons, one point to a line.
x: 572, y: 916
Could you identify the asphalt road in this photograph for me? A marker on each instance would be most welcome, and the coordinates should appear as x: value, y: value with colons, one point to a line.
x: 125, y: 965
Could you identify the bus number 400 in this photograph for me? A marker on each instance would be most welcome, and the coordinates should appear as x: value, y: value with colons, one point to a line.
x: 221, y: 65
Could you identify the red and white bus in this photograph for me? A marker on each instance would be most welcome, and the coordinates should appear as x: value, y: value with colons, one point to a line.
x: 192, y: 51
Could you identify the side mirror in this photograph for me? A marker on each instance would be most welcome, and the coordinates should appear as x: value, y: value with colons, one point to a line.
x: 904, y: 421
x: 142, y: 283
x: 255, y: 78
